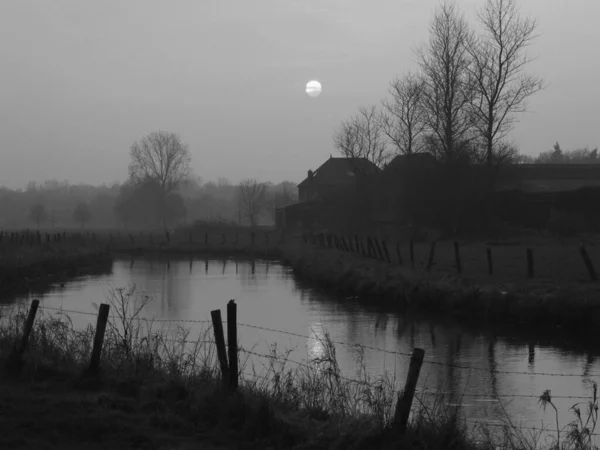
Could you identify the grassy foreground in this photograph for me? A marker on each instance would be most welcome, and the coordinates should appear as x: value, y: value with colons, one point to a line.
x: 160, y: 389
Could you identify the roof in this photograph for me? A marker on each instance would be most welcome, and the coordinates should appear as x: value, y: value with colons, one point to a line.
x: 341, y: 170
x: 424, y: 159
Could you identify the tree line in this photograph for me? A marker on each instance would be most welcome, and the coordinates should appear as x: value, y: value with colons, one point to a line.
x: 161, y: 191
x: 459, y: 104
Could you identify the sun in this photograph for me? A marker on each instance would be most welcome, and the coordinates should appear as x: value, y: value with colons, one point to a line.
x: 313, y: 88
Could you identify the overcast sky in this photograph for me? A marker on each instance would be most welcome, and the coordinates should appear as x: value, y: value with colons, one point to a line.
x: 80, y: 81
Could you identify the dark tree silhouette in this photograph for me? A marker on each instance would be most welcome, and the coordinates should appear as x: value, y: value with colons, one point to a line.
x: 82, y: 214
x: 251, y: 197
x: 38, y: 214
x: 160, y: 157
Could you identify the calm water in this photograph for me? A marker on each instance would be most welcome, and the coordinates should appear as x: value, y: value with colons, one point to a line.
x: 268, y: 295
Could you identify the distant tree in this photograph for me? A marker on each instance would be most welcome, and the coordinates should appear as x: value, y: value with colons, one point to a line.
x: 251, y: 197
x: 82, y: 214
x: 362, y: 136
x: 38, y: 214
x: 402, y: 118
x: 162, y: 158
x: 558, y: 156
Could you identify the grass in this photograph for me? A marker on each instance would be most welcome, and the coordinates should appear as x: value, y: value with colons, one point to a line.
x: 160, y: 389
x: 551, y: 301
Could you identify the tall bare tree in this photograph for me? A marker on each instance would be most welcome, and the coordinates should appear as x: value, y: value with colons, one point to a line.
x: 251, y: 197
x: 499, y: 85
x: 403, y: 118
x: 447, y: 94
x: 161, y: 157
x: 362, y: 136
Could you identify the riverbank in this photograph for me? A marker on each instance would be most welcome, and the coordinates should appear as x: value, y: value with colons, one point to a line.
x: 573, y: 307
x: 34, y: 270
x: 154, y: 394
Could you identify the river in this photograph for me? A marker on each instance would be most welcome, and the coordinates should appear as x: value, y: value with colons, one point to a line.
x: 269, y: 296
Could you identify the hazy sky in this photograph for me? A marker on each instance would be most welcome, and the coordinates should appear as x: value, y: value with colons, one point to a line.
x: 80, y: 81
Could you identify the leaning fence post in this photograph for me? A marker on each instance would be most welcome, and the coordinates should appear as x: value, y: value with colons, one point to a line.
x: 406, y: 397
x: 398, y: 253
x: 15, y: 361
x: 99, y: 338
x: 588, y: 263
x: 232, y: 344
x: 529, y: 263
x: 490, y: 261
x: 217, y: 323
x: 457, y: 257
x: 431, y: 255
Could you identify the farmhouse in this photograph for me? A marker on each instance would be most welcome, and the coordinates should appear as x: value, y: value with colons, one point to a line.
x: 355, y: 191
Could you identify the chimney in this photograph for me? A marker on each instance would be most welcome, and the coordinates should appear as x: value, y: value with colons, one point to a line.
x: 310, y: 174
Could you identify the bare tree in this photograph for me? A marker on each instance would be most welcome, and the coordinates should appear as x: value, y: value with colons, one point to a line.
x: 38, y: 214
x: 160, y: 157
x: 403, y: 118
x: 251, y: 197
x: 82, y: 214
x: 499, y: 85
x: 362, y: 136
x: 446, y: 92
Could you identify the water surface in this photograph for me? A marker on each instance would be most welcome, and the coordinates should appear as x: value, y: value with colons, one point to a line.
x: 268, y: 295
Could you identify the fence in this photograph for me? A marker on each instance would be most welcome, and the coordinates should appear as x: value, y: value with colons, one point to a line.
x: 228, y: 352
x: 96, y: 238
x: 378, y: 249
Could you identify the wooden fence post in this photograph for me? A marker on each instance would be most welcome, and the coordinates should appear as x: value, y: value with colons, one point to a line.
x: 217, y: 324
x: 398, y: 253
x: 431, y: 255
x: 412, y: 251
x: 490, y: 261
x: 15, y: 361
x: 223, y: 239
x: 206, y: 238
x: 252, y: 237
x: 530, y: 263
x: 267, y: 238
x: 588, y: 263
x: 99, y: 338
x: 232, y: 344
x: 378, y: 247
x: 405, y: 399
x: 457, y: 257
x: 386, y: 252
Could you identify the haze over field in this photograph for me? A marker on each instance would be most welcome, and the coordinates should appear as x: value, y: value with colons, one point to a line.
x: 81, y: 81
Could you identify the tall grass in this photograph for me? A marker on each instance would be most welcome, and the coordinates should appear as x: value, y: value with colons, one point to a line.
x: 311, y: 403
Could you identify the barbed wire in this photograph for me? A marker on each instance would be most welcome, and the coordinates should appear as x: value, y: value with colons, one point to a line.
x: 392, y: 352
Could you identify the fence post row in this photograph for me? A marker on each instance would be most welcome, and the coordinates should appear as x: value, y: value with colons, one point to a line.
x: 530, y: 263
x: 217, y: 323
x: 232, y: 344
x: 99, y: 338
x: 15, y: 361
x: 588, y: 263
x: 457, y: 257
x: 406, y: 397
